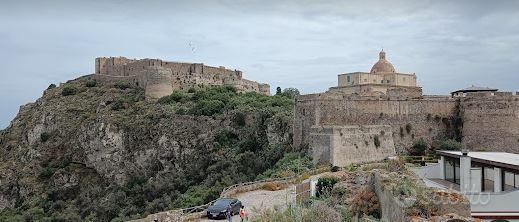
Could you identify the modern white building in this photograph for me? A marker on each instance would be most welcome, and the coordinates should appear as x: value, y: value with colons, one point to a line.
x: 490, y: 180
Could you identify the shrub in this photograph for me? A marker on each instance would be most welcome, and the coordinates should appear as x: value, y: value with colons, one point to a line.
x: 325, y: 185
x: 68, y: 90
x: 408, y: 128
x: 118, y: 105
x: 51, y: 86
x: 335, y: 168
x: 191, y: 90
x: 91, y: 83
x: 208, y: 107
x: 122, y: 85
x: 174, y: 97
x: 419, y: 147
x: 365, y: 202
x: 239, y: 119
x: 278, y: 90
x: 376, y: 141
x: 44, y: 137
x: 321, y: 212
x: 450, y: 144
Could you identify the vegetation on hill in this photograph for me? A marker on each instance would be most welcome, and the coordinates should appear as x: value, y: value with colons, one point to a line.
x: 87, y: 151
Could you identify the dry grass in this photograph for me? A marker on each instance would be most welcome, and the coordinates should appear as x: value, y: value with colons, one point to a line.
x: 274, y: 186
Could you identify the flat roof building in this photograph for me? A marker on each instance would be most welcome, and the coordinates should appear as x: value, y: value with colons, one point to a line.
x: 463, y: 92
x: 490, y: 180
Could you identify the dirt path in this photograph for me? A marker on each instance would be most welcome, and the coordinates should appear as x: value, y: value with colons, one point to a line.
x: 260, y: 200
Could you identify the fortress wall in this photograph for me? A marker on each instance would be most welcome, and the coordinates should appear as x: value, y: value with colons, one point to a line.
x: 343, y: 145
x: 182, y: 76
x: 491, y: 122
x: 158, y: 82
x: 135, y: 80
x: 428, y: 119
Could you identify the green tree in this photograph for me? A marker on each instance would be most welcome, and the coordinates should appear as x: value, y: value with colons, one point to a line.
x: 419, y: 147
x: 278, y: 90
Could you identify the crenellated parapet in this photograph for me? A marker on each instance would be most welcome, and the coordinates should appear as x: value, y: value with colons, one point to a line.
x: 162, y: 77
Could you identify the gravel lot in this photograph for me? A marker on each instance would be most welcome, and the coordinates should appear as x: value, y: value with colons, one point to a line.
x: 259, y: 200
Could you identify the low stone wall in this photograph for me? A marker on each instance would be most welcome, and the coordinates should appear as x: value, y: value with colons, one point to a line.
x: 394, y: 208
x: 391, y: 209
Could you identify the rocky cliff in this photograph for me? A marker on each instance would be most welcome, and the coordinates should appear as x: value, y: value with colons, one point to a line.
x: 86, y: 151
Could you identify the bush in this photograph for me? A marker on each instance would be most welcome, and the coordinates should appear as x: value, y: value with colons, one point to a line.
x: 174, y: 97
x: 419, y: 147
x: 208, y: 108
x: 51, y: 86
x: 408, y: 128
x: 44, y: 137
x: 91, y: 83
x: 450, y: 144
x: 47, y: 172
x: 376, y: 141
x: 365, y: 202
x: 118, y: 105
x: 335, y: 168
x: 68, y: 90
x: 122, y: 85
x: 325, y: 185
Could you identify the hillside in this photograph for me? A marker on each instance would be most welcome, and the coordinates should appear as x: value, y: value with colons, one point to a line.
x: 91, y: 152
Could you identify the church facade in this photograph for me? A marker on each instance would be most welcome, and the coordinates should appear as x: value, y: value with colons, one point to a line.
x: 382, y: 79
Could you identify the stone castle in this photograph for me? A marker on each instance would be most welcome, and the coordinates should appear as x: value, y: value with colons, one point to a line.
x: 372, y: 115
x: 160, y: 78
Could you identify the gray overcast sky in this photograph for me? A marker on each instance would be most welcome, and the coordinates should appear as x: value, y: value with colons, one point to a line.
x: 302, y: 44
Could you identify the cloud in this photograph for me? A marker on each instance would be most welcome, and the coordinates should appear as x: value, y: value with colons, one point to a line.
x: 303, y: 44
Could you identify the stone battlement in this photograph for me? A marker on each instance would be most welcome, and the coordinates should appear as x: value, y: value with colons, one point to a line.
x: 478, y: 117
x: 159, y: 78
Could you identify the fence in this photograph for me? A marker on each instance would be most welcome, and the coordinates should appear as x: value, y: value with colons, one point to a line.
x: 420, y: 159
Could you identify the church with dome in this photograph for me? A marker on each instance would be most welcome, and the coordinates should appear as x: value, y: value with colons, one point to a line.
x: 382, y: 79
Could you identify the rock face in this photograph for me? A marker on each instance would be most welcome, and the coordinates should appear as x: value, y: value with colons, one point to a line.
x: 104, y: 140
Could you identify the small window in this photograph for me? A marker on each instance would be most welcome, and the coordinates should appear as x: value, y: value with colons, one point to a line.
x: 348, y: 78
x: 381, y: 81
x: 365, y: 80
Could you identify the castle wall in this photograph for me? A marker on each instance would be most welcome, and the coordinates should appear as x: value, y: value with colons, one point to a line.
x: 491, y: 122
x: 158, y: 82
x: 432, y: 119
x: 343, y: 145
x: 180, y: 76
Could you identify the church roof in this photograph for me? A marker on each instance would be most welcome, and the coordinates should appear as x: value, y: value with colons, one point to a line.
x: 382, y: 65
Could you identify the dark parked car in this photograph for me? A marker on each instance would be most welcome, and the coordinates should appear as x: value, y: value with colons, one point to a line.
x: 219, y: 208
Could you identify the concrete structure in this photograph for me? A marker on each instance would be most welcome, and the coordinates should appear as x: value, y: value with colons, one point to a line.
x: 480, y: 120
x: 490, y: 180
x: 472, y: 89
x: 159, y: 78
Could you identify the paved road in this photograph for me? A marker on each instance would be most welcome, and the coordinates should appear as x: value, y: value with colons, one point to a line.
x: 259, y: 200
